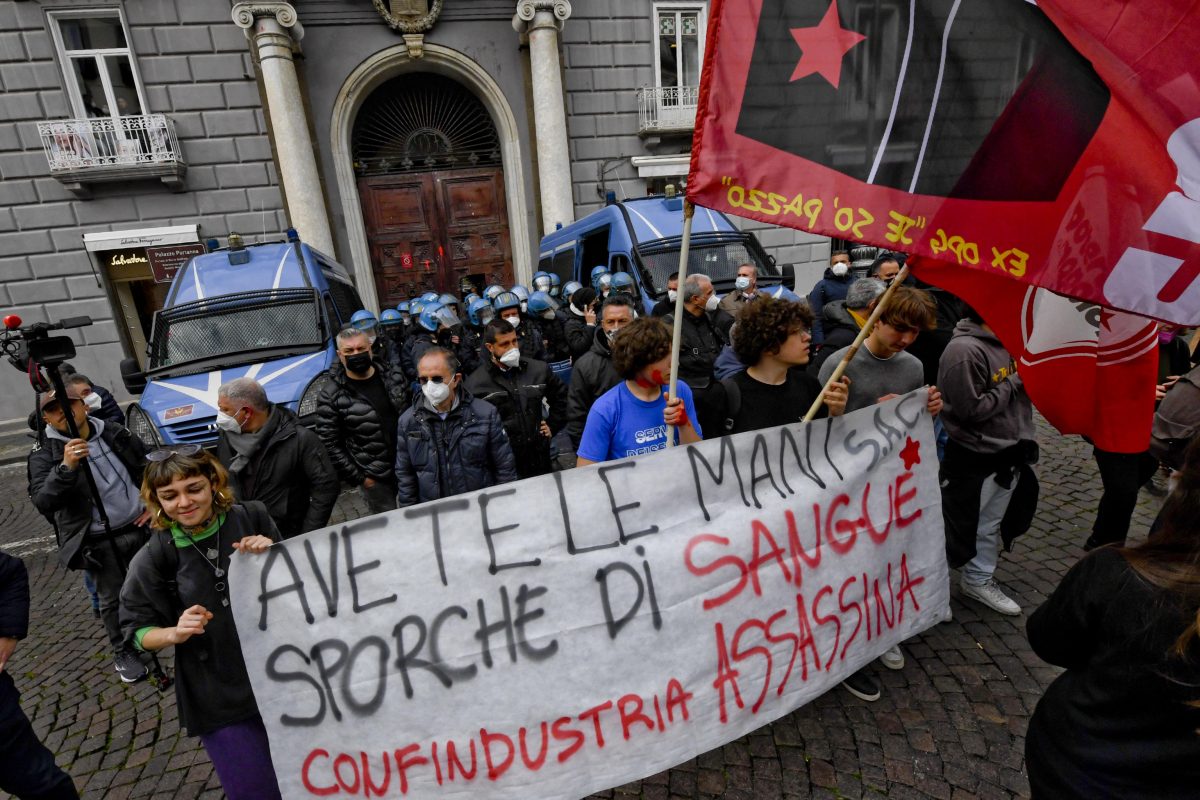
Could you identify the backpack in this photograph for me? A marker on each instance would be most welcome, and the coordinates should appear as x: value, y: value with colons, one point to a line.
x: 733, y: 402
x: 1177, y: 420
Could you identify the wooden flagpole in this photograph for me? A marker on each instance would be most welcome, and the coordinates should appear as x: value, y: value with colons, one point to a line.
x: 858, y: 340
x: 677, y: 329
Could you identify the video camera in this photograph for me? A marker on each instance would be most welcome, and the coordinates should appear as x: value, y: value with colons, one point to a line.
x: 30, y: 348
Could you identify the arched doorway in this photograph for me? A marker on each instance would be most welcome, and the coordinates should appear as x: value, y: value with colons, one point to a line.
x: 427, y: 162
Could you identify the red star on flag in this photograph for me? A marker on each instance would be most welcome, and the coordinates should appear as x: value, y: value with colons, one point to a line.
x: 911, y: 454
x: 824, y: 46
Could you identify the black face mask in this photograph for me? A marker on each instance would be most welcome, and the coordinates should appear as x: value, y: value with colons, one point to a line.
x: 359, y: 363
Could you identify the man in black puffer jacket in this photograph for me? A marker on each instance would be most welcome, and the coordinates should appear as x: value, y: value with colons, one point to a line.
x: 516, y: 386
x: 27, y: 768
x: 357, y: 413
x: 440, y: 457
x: 593, y: 373
x: 274, y: 459
x: 57, y: 486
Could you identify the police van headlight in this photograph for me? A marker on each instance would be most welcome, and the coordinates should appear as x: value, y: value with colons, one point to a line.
x: 308, y: 400
x: 139, y: 424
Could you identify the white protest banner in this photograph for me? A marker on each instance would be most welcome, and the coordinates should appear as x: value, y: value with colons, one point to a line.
x: 580, y: 630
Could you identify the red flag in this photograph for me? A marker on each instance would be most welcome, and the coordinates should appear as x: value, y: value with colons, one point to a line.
x: 1057, y: 143
x: 1088, y: 369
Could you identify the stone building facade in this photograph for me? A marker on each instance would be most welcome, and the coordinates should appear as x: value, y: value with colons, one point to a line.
x: 420, y: 142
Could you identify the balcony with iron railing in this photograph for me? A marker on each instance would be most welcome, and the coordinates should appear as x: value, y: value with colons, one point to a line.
x: 106, y: 149
x: 666, y: 109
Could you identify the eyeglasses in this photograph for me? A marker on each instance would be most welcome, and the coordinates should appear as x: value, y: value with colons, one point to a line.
x: 435, y: 378
x: 163, y: 453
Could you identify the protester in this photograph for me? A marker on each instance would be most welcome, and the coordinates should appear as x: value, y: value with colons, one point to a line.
x: 517, y: 387
x: 633, y: 417
x: 833, y: 286
x: 274, y: 459
x: 580, y: 325
x: 450, y: 442
x: 667, y: 305
x: 593, y: 374
x: 1174, y: 360
x: 27, y: 768
x: 773, y: 340
x: 109, y: 409
x: 728, y: 364
x: 177, y: 595
x: 745, y: 287
x: 881, y: 368
x: 97, y: 406
x: 703, y: 333
x: 843, y: 319
x: 357, y: 412
x: 884, y: 268
x: 1122, y: 720
x: 58, y: 488
x: 986, y: 477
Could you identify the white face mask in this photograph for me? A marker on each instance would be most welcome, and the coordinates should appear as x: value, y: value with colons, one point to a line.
x: 712, y: 303
x: 524, y: 305
x: 436, y: 393
x: 841, y: 268
x: 742, y: 283
x: 511, y: 357
x: 228, y: 423
x: 515, y: 321
x: 672, y: 295
x: 548, y: 314
x: 93, y: 402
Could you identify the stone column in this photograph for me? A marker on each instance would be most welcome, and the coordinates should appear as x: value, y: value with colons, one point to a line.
x: 541, y: 20
x: 275, y: 32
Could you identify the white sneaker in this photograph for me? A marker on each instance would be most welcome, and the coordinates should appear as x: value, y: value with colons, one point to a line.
x: 893, y: 658
x: 991, y: 596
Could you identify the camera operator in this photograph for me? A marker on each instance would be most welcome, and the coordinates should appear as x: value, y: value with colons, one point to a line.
x: 117, y: 459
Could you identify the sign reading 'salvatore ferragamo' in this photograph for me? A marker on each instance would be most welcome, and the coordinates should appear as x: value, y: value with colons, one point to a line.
x: 563, y: 634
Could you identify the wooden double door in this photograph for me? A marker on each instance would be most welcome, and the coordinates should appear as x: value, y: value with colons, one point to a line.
x: 430, y: 231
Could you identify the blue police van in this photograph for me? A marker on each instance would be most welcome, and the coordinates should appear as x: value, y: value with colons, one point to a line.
x: 267, y: 311
x: 643, y: 237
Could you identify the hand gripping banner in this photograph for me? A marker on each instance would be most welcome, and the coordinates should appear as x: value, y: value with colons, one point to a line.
x: 572, y: 632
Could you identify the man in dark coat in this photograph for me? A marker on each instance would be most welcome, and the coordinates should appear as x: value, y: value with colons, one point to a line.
x: 704, y: 332
x: 116, y: 458
x: 449, y: 442
x: 833, y: 286
x: 274, y: 459
x: 593, y: 373
x: 356, y: 419
x: 27, y: 768
x: 843, y: 319
x: 516, y: 386
x: 580, y: 325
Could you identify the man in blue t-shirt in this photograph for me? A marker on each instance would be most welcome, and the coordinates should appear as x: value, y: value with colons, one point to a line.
x: 632, y: 417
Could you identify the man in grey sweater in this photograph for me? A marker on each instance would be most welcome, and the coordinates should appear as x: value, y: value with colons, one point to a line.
x: 989, y: 420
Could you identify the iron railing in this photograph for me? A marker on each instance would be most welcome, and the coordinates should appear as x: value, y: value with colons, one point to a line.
x: 74, y: 144
x: 667, y: 108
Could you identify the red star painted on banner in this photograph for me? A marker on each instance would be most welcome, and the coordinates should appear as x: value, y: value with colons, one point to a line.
x: 824, y: 46
x: 911, y: 454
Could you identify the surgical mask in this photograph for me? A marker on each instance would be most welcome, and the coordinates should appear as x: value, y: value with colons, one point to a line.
x: 359, y: 363
x: 841, y: 268
x: 713, y: 302
x: 228, y: 423
x: 612, y: 334
x: 672, y: 295
x: 742, y: 283
x: 515, y: 321
x: 436, y: 393
x: 93, y: 402
x: 511, y: 358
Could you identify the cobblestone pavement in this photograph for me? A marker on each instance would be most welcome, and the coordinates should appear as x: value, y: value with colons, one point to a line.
x: 951, y: 724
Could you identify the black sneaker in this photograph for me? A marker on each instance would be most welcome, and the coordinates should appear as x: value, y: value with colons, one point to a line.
x: 863, y: 686
x: 129, y: 667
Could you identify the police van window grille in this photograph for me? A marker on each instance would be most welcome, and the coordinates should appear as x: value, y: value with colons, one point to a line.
x: 232, y: 330
x: 717, y: 261
x: 345, y: 299
x: 421, y: 122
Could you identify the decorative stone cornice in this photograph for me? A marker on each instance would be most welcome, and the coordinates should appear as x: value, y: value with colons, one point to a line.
x: 409, y: 24
x: 245, y: 14
x: 524, y: 20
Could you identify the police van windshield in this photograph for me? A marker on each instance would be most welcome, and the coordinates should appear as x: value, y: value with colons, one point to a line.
x: 716, y: 255
x: 235, y: 329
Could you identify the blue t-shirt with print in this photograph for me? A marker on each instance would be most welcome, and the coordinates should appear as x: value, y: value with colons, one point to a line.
x: 621, y: 425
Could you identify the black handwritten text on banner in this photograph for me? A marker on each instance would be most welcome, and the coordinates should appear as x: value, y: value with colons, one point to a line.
x: 579, y: 630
